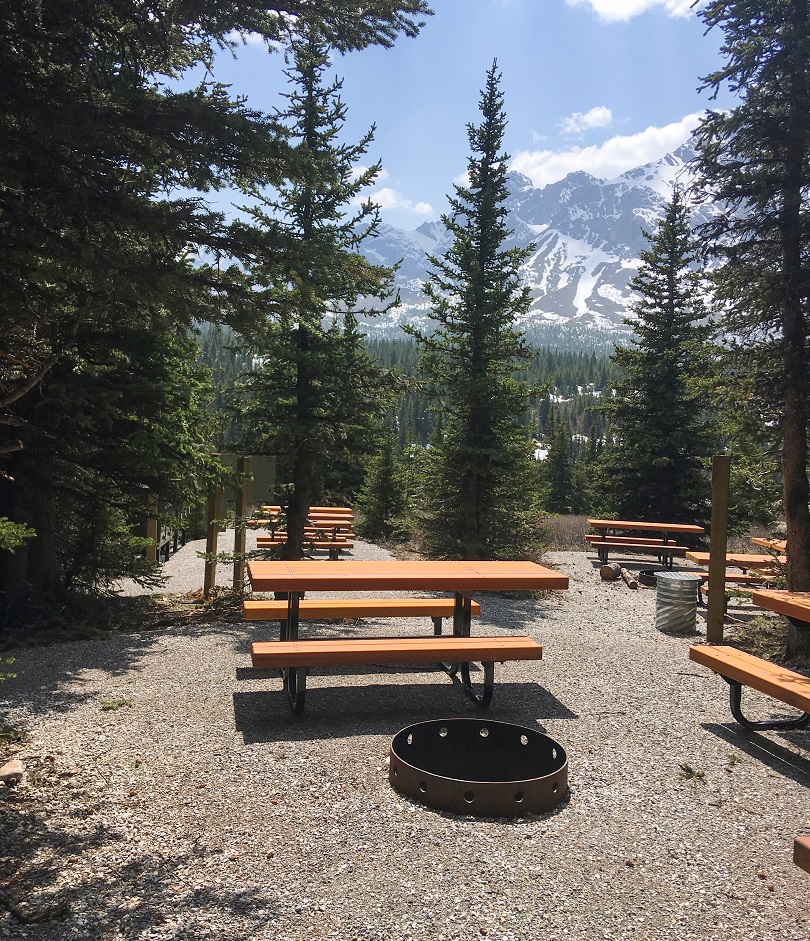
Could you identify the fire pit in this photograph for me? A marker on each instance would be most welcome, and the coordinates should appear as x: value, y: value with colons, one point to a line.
x: 478, y: 767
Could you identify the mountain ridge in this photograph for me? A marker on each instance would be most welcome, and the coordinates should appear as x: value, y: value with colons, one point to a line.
x: 588, y: 235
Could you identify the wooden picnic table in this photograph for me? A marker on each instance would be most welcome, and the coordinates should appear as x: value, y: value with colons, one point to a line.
x: 666, y: 529
x: 740, y: 560
x: 297, y: 577
x: 662, y: 546
x: 778, y: 545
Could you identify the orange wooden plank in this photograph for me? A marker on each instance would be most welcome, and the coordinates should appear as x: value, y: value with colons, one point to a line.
x: 780, y: 545
x: 596, y: 539
x: 309, y: 609
x: 640, y: 525
x: 732, y: 577
x: 769, y: 678
x: 793, y: 604
x: 264, y: 542
x: 391, y: 575
x: 801, y: 852
x: 741, y: 560
x: 358, y: 651
x: 638, y: 544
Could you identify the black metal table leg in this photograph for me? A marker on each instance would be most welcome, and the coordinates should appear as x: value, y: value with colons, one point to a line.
x: 484, y: 698
x: 735, y: 699
x: 462, y: 620
x: 295, y: 685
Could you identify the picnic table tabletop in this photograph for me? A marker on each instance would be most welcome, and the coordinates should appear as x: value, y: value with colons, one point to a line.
x: 740, y: 560
x: 777, y: 544
x: 361, y: 575
x: 645, y: 525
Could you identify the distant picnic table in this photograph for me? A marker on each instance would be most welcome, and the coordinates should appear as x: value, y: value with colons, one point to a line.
x: 661, y: 546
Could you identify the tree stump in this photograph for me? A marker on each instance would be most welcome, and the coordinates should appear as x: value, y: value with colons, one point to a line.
x: 610, y: 571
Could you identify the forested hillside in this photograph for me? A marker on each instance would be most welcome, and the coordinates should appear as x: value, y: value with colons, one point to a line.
x: 569, y: 383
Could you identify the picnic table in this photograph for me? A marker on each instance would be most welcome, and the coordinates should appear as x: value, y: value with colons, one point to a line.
x: 778, y: 545
x: 741, y: 560
x: 460, y: 577
x: 661, y: 545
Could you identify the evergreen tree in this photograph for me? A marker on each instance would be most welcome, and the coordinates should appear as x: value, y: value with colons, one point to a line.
x: 480, y: 483
x: 97, y: 288
x: 557, y: 472
x: 655, y: 468
x: 755, y: 158
x: 315, y: 399
x: 383, y: 501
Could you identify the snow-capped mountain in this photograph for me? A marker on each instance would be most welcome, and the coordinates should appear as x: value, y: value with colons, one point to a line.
x: 587, y: 233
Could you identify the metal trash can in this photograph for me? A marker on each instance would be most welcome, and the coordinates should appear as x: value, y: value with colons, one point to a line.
x: 676, y: 602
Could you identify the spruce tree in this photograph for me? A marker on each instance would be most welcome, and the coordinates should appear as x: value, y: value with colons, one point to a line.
x: 755, y: 160
x: 383, y: 501
x: 480, y: 485
x: 315, y: 399
x: 655, y: 468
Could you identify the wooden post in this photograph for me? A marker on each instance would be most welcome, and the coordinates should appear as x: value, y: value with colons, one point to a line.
x: 721, y: 465
x: 214, y: 507
x: 152, y: 526
x: 240, y: 512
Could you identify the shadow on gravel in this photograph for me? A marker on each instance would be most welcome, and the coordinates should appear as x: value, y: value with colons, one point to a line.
x: 777, y: 757
x: 63, y: 884
x: 48, y: 679
x: 377, y: 709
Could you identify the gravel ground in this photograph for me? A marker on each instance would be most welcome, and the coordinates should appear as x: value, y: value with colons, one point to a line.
x: 200, y: 808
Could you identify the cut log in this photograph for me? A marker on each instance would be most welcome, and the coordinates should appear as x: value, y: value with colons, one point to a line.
x: 629, y: 579
x: 610, y: 571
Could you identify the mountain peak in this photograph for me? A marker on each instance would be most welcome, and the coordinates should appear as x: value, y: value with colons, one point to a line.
x: 588, y: 237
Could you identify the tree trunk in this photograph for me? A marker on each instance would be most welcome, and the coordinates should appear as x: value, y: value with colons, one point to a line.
x: 298, y: 507
x: 794, y: 331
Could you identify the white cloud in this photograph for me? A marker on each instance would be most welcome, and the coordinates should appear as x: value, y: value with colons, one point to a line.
x: 623, y: 10
x: 578, y: 122
x: 607, y: 160
x: 387, y: 198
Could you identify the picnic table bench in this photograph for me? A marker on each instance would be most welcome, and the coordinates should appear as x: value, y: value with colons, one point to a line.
x: 344, y: 608
x: 801, y: 852
x: 794, y: 605
x: 662, y: 546
x: 739, y: 669
x: 453, y: 653
x: 333, y: 546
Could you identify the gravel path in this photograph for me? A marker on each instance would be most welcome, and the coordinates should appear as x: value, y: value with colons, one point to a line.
x: 200, y: 808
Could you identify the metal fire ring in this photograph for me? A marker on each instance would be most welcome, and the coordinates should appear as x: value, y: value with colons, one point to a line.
x: 479, y: 767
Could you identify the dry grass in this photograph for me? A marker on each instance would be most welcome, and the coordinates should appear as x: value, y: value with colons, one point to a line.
x: 565, y: 533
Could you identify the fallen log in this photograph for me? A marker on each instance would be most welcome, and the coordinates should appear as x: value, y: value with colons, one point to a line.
x: 610, y: 571
x: 629, y: 579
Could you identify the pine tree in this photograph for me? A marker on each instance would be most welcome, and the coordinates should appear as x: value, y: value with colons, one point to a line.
x: 316, y: 398
x: 655, y: 468
x: 383, y: 501
x: 755, y: 159
x: 480, y: 482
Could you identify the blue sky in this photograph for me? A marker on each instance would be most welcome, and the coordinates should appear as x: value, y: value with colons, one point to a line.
x: 595, y: 85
